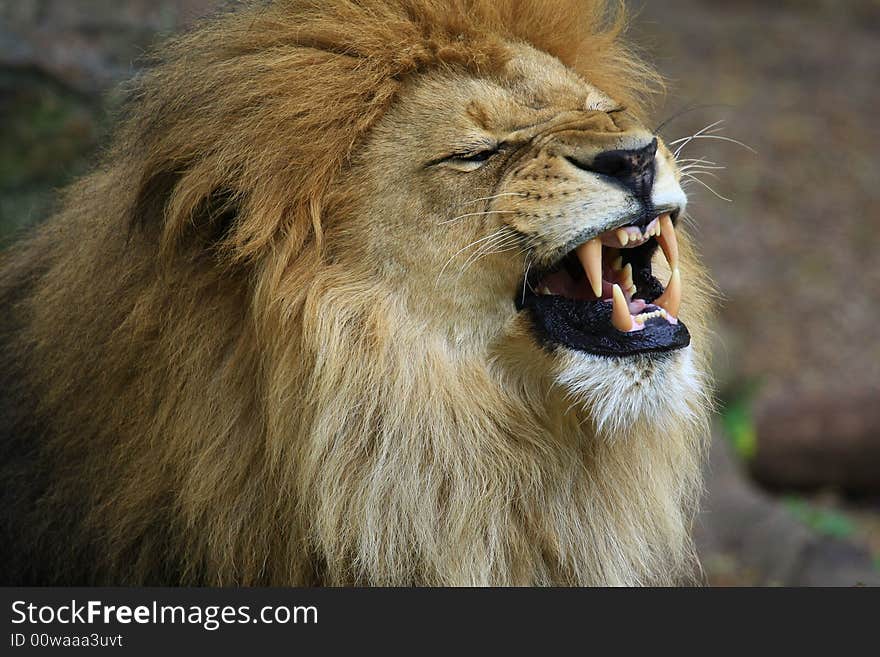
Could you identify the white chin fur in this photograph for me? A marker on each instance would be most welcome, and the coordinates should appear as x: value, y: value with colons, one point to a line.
x: 628, y: 395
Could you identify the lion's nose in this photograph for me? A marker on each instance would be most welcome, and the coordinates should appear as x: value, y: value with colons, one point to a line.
x: 634, y: 168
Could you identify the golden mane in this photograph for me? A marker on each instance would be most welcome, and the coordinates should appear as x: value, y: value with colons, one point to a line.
x: 318, y: 75
x: 226, y: 405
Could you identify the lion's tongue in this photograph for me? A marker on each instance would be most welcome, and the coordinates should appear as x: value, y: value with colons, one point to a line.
x: 624, y: 316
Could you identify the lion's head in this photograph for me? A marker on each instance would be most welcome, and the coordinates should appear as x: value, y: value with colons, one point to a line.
x: 429, y: 234
x: 506, y: 211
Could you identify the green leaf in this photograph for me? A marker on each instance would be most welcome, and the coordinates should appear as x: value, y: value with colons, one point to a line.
x: 823, y: 521
x: 738, y: 422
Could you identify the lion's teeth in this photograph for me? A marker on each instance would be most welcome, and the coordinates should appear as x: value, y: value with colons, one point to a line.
x: 626, y: 278
x: 620, y: 317
x: 617, y: 264
x: 641, y: 318
x: 544, y: 291
x: 668, y: 241
x: 670, y: 300
x: 622, y: 236
x: 590, y: 255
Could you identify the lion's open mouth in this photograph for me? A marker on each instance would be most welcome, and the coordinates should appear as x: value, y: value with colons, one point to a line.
x: 602, y: 298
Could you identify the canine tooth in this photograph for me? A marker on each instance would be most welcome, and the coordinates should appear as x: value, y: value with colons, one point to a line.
x: 670, y: 300
x: 622, y: 236
x: 620, y: 316
x: 590, y: 255
x: 668, y: 241
x: 626, y: 279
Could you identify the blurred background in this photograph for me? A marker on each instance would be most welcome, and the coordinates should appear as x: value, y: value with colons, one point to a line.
x: 790, y: 227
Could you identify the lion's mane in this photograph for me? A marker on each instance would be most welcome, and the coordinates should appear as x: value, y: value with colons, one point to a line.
x: 194, y: 393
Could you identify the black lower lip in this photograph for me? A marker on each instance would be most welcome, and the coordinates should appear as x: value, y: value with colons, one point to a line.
x: 586, y: 326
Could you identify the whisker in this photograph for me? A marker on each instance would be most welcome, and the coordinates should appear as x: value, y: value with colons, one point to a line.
x: 701, y: 164
x: 497, y: 243
x: 700, y: 170
x: 688, y: 140
x: 700, y: 182
x: 465, y: 248
x: 475, y: 214
x: 730, y: 139
x: 489, y: 198
x: 526, y: 279
x: 502, y: 245
x: 506, y: 248
x: 500, y: 242
x: 700, y: 160
x: 703, y: 173
x: 698, y: 132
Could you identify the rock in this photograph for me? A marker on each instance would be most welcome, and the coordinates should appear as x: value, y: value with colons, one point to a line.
x: 819, y: 441
x: 88, y: 45
x: 746, y: 537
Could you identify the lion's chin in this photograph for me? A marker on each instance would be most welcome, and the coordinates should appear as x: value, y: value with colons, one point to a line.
x: 631, y: 395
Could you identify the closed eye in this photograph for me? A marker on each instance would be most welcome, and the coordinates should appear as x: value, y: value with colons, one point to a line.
x: 481, y: 156
x: 468, y: 161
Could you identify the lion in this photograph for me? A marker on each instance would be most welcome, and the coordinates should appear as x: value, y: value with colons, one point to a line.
x: 374, y: 292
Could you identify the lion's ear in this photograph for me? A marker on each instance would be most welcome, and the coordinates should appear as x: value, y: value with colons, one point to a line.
x: 182, y: 217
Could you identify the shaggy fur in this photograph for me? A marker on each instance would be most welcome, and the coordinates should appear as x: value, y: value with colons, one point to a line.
x: 232, y: 358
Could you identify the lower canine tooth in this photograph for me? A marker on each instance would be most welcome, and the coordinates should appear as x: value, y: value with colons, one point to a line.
x: 620, y: 317
x: 670, y: 300
x: 626, y: 280
x: 590, y: 255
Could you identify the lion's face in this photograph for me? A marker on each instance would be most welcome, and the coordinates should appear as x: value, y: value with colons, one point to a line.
x: 523, y: 217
